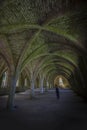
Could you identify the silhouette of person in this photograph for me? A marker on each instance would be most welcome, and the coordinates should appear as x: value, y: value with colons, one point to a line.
x: 57, y: 91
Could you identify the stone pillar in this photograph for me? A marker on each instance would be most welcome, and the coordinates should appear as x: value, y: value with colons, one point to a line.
x: 41, y: 85
x: 12, y: 84
x: 32, y: 89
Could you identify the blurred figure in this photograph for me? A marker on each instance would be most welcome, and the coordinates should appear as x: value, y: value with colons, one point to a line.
x: 57, y: 91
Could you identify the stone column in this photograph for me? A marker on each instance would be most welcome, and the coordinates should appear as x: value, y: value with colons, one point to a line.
x: 12, y: 84
x: 41, y: 85
x: 32, y: 84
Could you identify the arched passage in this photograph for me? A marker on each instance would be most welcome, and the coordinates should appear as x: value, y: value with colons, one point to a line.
x: 46, y: 38
x: 62, y: 82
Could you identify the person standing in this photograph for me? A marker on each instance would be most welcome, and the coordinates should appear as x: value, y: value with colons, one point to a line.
x: 57, y: 91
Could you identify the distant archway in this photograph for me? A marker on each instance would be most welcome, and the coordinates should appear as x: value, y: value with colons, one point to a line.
x: 62, y: 82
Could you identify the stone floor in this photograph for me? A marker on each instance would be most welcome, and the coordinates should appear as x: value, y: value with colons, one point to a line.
x: 45, y: 112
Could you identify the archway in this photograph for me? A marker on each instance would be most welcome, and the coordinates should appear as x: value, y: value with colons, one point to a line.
x: 61, y: 82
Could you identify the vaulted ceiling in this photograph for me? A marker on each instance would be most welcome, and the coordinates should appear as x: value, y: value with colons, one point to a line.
x: 45, y: 35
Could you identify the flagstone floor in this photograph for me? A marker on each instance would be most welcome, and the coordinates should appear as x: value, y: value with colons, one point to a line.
x: 45, y: 112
